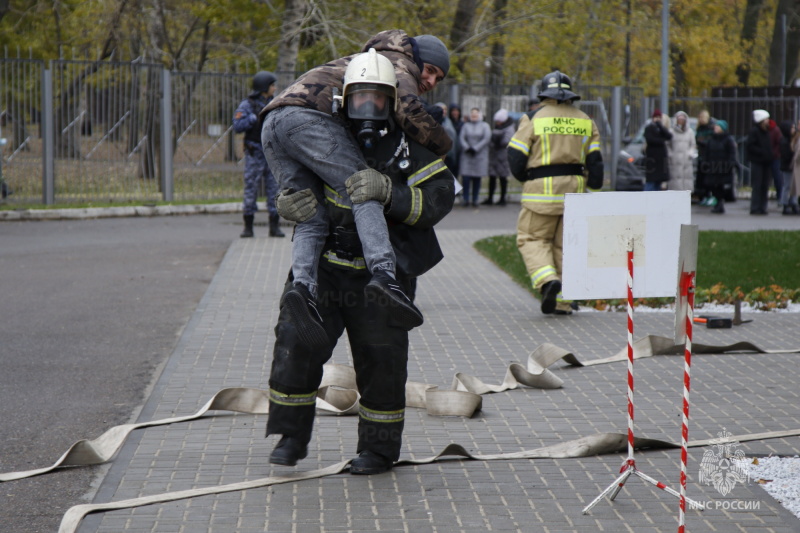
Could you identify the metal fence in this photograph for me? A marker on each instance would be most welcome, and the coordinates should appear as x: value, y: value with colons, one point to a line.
x: 207, y: 157
x: 106, y: 123
x: 105, y: 130
x: 20, y: 102
x: 88, y: 131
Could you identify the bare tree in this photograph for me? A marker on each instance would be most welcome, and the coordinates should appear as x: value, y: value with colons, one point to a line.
x: 69, y: 97
x: 461, y: 29
x: 3, y: 8
x: 294, y: 17
x: 777, y: 60
x: 749, y: 30
x: 497, y: 61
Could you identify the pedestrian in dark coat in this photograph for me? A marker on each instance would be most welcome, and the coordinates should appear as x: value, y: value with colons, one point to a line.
x: 499, y: 169
x: 758, y: 148
x: 775, y: 137
x: 705, y: 129
x: 656, y: 136
x: 719, y: 163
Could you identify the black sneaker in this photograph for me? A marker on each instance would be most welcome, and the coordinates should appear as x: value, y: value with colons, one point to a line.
x: 386, y: 291
x: 303, y: 313
x: 370, y: 463
x: 550, y: 292
x: 288, y: 451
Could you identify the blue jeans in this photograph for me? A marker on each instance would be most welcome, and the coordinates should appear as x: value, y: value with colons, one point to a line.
x: 307, y: 149
x: 652, y: 186
x: 475, y: 182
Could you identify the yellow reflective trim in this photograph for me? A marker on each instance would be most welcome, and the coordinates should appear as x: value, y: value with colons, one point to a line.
x: 357, y: 263
x: 381, y: 416
x: 545, y: 150
x: 426, y: 173
x: 293, y: 400
x: 542, y: 198
x: 416, y: 207
x: 581, y: 184
x: 562, y: 126
x: 336, y: 199
x: 594, y: 147
x: 520, y: 146
x: 542, y: 273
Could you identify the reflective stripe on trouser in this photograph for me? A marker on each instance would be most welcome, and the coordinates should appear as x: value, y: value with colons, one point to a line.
x: 539, y: 239
x: 381, y: 431
x: 380, y: 358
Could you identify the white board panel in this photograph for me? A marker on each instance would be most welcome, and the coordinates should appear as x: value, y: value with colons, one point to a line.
x: 597, y: 227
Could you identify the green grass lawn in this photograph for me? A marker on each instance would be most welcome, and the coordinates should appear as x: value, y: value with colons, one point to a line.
x: 760, y: 267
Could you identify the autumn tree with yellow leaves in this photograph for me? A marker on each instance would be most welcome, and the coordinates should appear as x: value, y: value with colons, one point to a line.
x: 598, y: 42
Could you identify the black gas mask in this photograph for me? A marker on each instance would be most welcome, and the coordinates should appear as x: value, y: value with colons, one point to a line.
x: 368, y: 107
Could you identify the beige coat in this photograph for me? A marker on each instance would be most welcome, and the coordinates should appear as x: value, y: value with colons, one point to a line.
x: 682, y: 148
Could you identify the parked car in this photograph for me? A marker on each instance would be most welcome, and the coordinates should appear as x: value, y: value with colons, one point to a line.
x: 630, y: 161
x: 630, y: 174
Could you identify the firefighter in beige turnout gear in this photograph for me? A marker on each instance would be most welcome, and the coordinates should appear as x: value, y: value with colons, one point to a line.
x: 555, y: 151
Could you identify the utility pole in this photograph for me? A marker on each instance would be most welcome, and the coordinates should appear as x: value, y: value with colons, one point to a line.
x: 664, y: 56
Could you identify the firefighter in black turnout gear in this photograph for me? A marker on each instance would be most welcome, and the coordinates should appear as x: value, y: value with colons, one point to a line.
x: 417, y: 191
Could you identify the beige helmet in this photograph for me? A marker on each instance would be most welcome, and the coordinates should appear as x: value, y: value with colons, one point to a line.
x: 370, y: 72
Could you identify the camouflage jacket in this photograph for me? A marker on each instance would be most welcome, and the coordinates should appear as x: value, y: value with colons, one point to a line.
x: 314, y: 90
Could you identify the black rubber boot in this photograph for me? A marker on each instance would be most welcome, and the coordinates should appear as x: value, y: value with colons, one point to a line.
x: 550, y: 292
x: 489, y: 199
x: 288, y: 451
x: 275, y: 227
x: 248, y: 227
x: 503, y: 189
x: 370, y: 463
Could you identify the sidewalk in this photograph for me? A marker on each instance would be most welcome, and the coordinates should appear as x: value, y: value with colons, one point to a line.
x: 477, y: 322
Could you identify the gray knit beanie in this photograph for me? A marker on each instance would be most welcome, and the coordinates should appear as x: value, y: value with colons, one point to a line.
x: 432, y: 50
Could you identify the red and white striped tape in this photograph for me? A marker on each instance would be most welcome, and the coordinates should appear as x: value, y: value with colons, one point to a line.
x: 630, y: 462
x: 687, y: 288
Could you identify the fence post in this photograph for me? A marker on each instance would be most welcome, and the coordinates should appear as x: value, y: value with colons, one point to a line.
x: 167, y: 183
x: 454, y: 94
x: 48, y: 139
x: 616, y: 133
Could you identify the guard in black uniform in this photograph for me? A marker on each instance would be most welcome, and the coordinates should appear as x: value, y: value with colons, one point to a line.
x: 417, y: 191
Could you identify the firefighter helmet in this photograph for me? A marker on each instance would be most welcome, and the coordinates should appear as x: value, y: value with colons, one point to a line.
x: 557, y: 86
x: 262, y: 81
x: 370, y: 72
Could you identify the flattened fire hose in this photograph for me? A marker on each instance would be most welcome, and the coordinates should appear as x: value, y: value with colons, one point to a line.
x: 337, y: 396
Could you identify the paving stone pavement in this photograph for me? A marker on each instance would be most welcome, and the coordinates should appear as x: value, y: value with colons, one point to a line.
x: 477, y: 322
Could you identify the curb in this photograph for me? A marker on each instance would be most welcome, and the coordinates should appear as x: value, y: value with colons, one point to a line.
x: 109, y: 212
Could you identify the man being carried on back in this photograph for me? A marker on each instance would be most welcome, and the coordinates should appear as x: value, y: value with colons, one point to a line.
x: 310, y: 149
